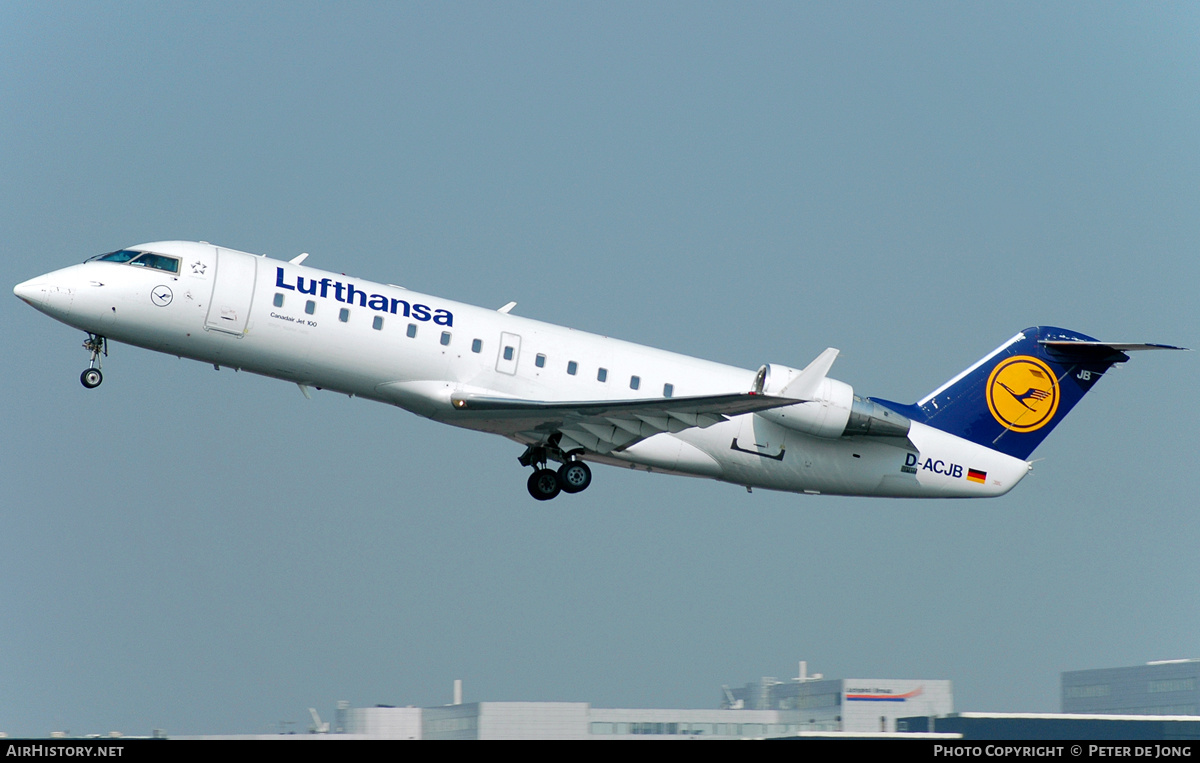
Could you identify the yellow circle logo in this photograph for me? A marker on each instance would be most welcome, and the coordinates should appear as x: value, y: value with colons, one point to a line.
x: 1022, y: 393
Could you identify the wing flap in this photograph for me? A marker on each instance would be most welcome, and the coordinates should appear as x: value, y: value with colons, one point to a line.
x: 633, y: 426
x: 728, y: 404
x: 660, y: 423
x: 574, y: 439
x: 604, y: 426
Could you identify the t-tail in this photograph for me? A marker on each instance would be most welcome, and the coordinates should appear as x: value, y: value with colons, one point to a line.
x: 1012, y: 398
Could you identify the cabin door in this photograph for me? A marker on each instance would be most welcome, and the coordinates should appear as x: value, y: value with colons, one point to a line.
x: 233, y: 291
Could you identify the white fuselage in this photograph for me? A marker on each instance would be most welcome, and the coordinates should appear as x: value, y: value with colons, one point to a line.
x: 386, y: 343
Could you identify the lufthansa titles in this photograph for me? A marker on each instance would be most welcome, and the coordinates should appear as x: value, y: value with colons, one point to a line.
x: 328, y: 288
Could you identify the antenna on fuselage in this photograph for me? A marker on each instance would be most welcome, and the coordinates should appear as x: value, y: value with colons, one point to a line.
x: 299, y: 258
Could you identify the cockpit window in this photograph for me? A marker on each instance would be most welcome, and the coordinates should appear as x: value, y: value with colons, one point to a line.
x: 142, y: 259
x: 158, y: 262
x: 125, y: 255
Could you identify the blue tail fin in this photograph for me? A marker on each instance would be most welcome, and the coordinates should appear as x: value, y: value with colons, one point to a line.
x: 1012, y: 398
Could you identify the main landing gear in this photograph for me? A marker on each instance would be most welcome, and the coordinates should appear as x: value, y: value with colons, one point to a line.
x: 98, y: 346
x: 545, y: 483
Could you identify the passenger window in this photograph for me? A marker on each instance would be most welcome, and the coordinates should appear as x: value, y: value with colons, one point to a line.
x: 278, y: 300
x: 668, y: 390
x: 377, y: 324
x: 310, y: 307
x: 540, y: 361
x: 412, y: 330
x: 344, y: 315
x: 476, y: 345
x: 445, y: 337
x: 602, y: 375
x: 572, y: 367
x: 508, y: 353
x: 635, y: 382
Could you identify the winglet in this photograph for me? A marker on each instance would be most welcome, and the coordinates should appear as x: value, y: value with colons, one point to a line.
x: 805, y: 386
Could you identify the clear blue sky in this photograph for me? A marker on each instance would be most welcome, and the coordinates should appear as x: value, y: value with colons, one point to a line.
x: 912, y: 183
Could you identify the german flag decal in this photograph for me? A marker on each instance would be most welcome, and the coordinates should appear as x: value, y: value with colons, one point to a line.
x: 974, y: 475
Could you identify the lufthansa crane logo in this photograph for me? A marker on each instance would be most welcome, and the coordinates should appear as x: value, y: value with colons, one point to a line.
x: 1022, y: 393
x: 161, y: 296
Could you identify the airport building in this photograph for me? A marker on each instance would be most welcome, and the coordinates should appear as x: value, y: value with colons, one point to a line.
x: 761, y: 710
x: 1166, y: 687
x: 858, y: 705
x: 561, y: 720
x: 1158, y: 701
x: 1059, y: 726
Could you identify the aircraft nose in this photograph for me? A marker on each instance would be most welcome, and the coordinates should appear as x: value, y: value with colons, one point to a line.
x: 50, y: 293
x: 32, y: 292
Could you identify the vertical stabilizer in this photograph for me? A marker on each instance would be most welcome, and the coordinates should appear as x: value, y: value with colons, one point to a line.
x: 1015, y: 396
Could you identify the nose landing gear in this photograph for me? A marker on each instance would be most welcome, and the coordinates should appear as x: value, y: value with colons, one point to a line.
x: 98, y: 346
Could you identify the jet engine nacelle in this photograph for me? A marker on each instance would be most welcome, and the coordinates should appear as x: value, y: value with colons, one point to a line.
x: 831, y: 409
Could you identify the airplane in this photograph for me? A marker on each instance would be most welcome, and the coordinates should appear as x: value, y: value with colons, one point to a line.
x: 574, y: 398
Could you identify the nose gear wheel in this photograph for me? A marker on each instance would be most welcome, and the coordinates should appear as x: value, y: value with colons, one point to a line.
x: 98, y: 346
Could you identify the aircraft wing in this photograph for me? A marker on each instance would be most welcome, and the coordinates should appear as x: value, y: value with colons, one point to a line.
x: 602, y: 426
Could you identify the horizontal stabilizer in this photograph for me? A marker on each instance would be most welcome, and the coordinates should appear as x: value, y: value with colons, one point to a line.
x: 1093, y: 350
